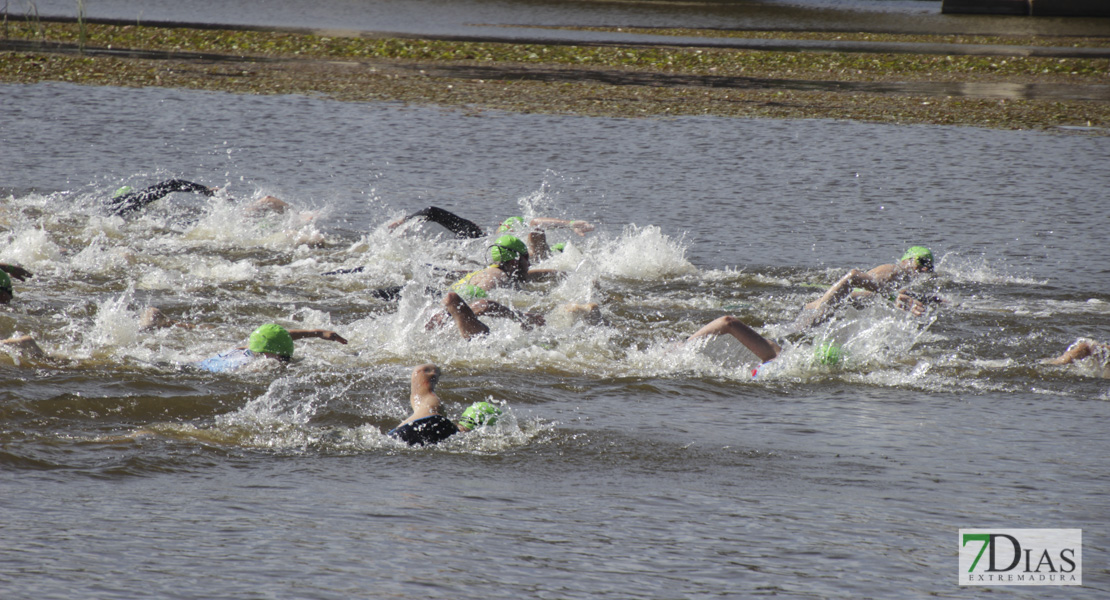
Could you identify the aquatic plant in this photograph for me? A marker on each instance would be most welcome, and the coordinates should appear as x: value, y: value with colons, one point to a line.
x: 82, y: 26
x: 578, y: 79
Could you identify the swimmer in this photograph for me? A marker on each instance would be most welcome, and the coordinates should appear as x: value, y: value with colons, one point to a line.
x: 766, y: 350
x: 16, y: 271
x: 466, y: 316
x: 889, y: 279
x: 426, y: 425
x: 270, y: 341
x: 1082, y: 349
x: 510, y: 265
x: 466, y: 229
x: 6, y: 291
x: 154, y: 318
x: 469, y: 325
x: 126, y: 201
x: 25, y: 346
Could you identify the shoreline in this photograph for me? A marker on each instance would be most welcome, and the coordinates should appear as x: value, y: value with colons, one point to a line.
x: 1009, y: 87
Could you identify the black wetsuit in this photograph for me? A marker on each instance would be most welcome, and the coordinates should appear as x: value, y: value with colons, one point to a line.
x: 426, y: 431
x: 454, y: 223
x: 133, y: 201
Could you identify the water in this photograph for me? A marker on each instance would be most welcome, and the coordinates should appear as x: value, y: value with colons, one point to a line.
x: 625, y: 467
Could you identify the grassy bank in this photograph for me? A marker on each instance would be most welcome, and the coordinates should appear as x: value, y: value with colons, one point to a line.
x: 591, y: 80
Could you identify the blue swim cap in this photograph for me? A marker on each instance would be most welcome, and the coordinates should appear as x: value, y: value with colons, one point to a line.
x: 479, y: 414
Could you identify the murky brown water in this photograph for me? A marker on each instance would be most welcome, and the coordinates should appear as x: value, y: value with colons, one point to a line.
x: 624, y: 468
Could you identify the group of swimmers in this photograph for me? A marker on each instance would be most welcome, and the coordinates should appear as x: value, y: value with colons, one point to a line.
x: 466, y: 302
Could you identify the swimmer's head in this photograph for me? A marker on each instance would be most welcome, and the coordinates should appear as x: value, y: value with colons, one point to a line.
x: 921, y: 256
x: 271, y: 339
x: 123, y: 191
x: 426, y: 375
x: 5, y: 288
x: 559, y: 247
x: 507, y: 248
x: 510, y: 224
x: 479, y: 414
x: 828, y: 354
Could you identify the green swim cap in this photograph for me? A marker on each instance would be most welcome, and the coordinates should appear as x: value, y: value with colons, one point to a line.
x: 559, y: 247
x: 507, y: 248
x: 479, y: 414
x: 829, y: 354
x: 5, y: 282
x: 123, y: 190
x: 510, y: 224
x: 469, y: 291
x: 273, y: 339
x: 922, y: 255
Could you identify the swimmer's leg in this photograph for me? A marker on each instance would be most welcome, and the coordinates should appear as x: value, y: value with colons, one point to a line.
x: 762, y: 347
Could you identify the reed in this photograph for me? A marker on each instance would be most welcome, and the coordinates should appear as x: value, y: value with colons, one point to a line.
x: 32, y: 16
x: 82, y: 26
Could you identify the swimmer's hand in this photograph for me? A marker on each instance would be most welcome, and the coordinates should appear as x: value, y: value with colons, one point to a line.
x: 397, y: 223
x: 910, y: 304
x: 529, y: 320
x: 581, y: 227
x: 924, y: 299
x: 324, y: 334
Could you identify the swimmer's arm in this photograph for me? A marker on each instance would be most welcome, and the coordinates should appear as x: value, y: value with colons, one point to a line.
x: 153, y: 318
x: 579, y: 227
x: 137, y: 200
x: 543, y: 274
x: 908, y: 303
x: 324, y: 334
x: 537, y: 245
x: 526, y: 319
x: 902, y: 300
x: 461, y: 227
x: 16, y: 271
x: 27, y: 346
x: 268, y: 204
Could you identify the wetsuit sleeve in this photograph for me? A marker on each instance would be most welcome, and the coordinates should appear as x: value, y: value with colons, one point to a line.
x: 133, y: 201
x: 459, y: 226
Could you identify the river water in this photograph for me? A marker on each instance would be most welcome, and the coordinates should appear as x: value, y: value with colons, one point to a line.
x: 624, y: 466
